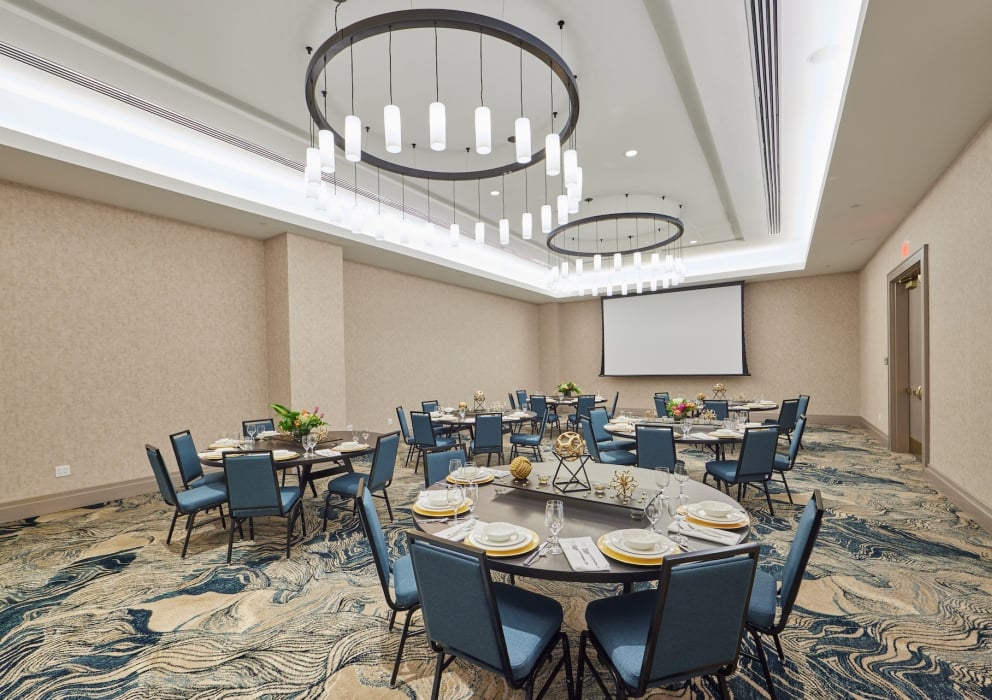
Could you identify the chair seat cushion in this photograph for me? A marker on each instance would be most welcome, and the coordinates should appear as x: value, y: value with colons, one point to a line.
x: 621, y: 457
x: 781, y: 463
x: 208, y: 478
x: 620, y: 624
x: 530, y: 622
x: 619, y: 444
x: 527, y: 439
x: 289, y: 495
x: 444, y: 441
x: 203, y: 496
x: 346, y: 484
x: 761, y: 608
x: 404, y: 583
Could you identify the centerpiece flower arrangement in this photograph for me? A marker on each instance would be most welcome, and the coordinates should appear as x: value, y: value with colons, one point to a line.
x: 568, y: 389
x: 298, y: 422
x: 679, y: 408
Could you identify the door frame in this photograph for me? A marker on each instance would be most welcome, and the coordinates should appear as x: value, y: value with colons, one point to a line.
x: 898, y: 295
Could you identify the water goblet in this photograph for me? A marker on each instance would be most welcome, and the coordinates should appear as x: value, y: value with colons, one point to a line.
x: 351, y: 429
x: 681, y: 476
x: 652, y: 511
x: 454, y: 466
x: 455, y: 497
x: 661, y: 477
x: 309, y: 443
x: 472, y: 497
x: 674, y: 506
x: 686, y: 426
x: 554, y: 519
x: 365, y: 436
x: 251, y: 429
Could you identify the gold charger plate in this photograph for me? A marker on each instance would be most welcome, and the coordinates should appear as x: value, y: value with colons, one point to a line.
x: 441, y: 512
x: 604, y: 546
x: 356, y: 448
x: 288, y: 454
x: 464, y: 482
x: 531, y: 542
x: 720, y: 526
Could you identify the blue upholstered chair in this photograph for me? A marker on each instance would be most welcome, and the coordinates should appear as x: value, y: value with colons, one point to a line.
x: 430, y: 406
x: 661, y: 403
x: 253, y: 491
x: 621, y: 457
x: 613, y: 411
x: 770, y: 593
x: 585, y: 403
x: 188, y: 459
x: 754, y: 465
x: 501, y: 628
x: 788, y: 412
x: 424, y: 438
x: 522, y: 400
x: 530, y: 440
x: 402, y: 595
x: 691, y: 626
x: 719, y: 406
x: 379, y: 478
x: 539, y: 405
x: 259, y: 424
x: 786, y: 462
x: 513, y: 401
x: 407, y: 437
x: 655, y: 447
x: 436, y: 464
x: 203, y: 496
x: 488, y: 437
x: 604, y: 441
x: 803, y: 408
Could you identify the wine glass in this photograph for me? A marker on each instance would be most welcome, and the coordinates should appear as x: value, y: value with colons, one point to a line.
x: 251, y: 429
x: 675, y: 505
x: 454, y: 466
x: 455, y: 497
x: 686, y: 426
x: 652, y: 511
x: 309, y: 443
x: 472, y: 496
x: 554, y: 518
x: 681, y: 476
x: 351, y: 429
x: 461, y: 413
x: 365, y: 436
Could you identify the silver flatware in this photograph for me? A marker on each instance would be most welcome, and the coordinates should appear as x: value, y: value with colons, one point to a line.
x: 585, y: 558
x: 538, y: 552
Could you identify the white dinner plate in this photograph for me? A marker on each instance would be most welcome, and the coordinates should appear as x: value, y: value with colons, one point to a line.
x: 700, y: 513
x: 429, y: 505
x: 662, y: 547
x: 516, y: 539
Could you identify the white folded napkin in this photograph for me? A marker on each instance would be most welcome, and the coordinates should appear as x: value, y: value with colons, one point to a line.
x: 575, y: 547
x: 460, y: 530
x: 710, y: 534
x: 328, y: 453
x: 500, y: 473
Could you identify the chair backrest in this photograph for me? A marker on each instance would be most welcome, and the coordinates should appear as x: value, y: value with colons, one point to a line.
x: 373, y: 533
x: 599, y: 419
x: 586, y: 403
x: 384, y: 460
x: 799, y: 554
x: 699, y: 614
x: 488, y: 430
x: 539, y: 405
x: 718, y: 406
x: 655, y: 447
x: 661, y: 403
x: 429, y: 406
x: 252, y: 487
x: 757, y: 452
x: 165, y: 486
x: 803, y: 408
x: 404, y: 427
x: 787, y: 414
x: 542, y: 416
x: 522, y: 399
x: 187, y: 457
x: 513, y: 403
x: 436, y: 463
x: 616, y: 400
x: 457, y: 601
x: 796, y: 440
x: 590, y: 437
x: 423, y: 429
x: 259, y: 425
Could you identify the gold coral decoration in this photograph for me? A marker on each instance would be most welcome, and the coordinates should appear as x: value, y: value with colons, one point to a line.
x: 520, y: 468
x: 650, y: 413
x: 623, y: 484
x: 719, y: 391
x: 570, y: 446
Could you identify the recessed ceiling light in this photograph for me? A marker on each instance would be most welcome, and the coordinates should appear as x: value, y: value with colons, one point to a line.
x: 693, y: 242
x: 495, y: 193
x: 631, y: 153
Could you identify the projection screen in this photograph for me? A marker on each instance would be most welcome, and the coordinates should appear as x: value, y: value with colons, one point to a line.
x: 694, y: 331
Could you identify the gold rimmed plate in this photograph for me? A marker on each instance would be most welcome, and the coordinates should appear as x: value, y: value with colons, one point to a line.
x: 482, y: 478
x: 607, y: 547
x: 432, y: 512
x: 532, y: 539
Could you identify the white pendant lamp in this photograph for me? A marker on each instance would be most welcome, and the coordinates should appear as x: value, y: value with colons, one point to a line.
x: 617, y: 262
x: 504, y: 232
x: 552, y: 155
x: 437, y: 126
x: 527, y: 226
x: 312, y: 172
x: 570, y: 162
x: 597, y: 262
x: 455, y: 235
x: 392, y: 127
x: 562, y: 210
x: 352, y: 138
x: 521, y: 133
x: 545, y: 218
x: 483, y: 131
x: 325, y: 140
x: 480, y: 233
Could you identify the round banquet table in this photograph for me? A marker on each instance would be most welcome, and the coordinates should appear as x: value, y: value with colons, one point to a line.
x: 700, y: 434
x: 589, y: 515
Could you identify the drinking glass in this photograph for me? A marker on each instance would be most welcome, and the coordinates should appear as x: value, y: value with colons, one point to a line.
x: 686, y: 426
x: 365, y: 436
x: 351, y: 429
x: 472, y: 494
x: 309, y: 443
x: 554, y: 519
x: 662, y: 477
x: 454, y: 466
x: 674, y: 506
x: 455, y: 497
x: 251, y: 429
x: 461, y: 414
x: 682, y: 476
x: 652, y: 511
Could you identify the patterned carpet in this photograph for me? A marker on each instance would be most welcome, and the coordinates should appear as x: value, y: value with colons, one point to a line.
x: 897, y: 602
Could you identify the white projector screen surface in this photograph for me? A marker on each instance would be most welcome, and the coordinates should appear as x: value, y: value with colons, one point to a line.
x: 697, y: 331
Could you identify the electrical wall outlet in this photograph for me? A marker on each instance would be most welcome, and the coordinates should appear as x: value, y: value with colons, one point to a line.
x: 389, y: 422
x: 63, y: 470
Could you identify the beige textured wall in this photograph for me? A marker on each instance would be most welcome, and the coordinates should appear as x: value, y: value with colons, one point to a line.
x: 409, y: 339
x: 801, y: 335
x: 116, y: 329
x: 953, y: 219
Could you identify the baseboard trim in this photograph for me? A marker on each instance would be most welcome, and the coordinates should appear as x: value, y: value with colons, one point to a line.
x: 980, y: 512
x: 67, y: 500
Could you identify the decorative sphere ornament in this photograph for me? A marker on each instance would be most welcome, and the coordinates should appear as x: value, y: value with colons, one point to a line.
x: 480, y: 395
x: 650, y: 413
x: 462, y: 404
x: 719, y: 391
x: 570, y: 446
x: 520, y: 468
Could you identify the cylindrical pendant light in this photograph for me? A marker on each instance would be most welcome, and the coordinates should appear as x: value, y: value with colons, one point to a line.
x: 480, y: 233
x: 437, y: 126
x: 391, y: 125
x: 573, y: 198
x: 323, y: 195
x: 527, y: 226
x: 483, y: 131
x: 617, y: 262
x: 552, y: 155
x: 353, y: 138
x: 597, y: 262
x: 504, y: 232
x: 570, y: 161
x: 312, y: 172
x: 521, y: 133
x: 325, y: 139
x: 578, y: 182
x: 564, y: 269
x: 579, y: 263
x: 546, y: 218
x: 637, y: 260
x: 455, y: 235
x: 562, y: 210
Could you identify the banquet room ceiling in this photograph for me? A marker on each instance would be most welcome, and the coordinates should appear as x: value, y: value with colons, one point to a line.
x: 671, y: 79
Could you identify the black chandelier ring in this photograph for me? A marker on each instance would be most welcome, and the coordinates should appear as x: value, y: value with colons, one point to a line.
x: 445, y: 19
x: 561, y: 231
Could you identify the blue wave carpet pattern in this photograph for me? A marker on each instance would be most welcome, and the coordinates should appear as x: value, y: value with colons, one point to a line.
x: 897, y: 601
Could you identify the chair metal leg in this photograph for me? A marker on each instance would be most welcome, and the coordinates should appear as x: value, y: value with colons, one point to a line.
x: 392, y: 619
x: 399, y: 651
x: 327, y: 504
x: 389, y: 508
x: 436, y: 688
x: 763, y: 659
x: 778, y: 647
x: 230, y: 538
x: 768, y: 497
x: 168, y: 540
x: 722, y: 680
x: 786, y: 484
x: 189, y: 531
